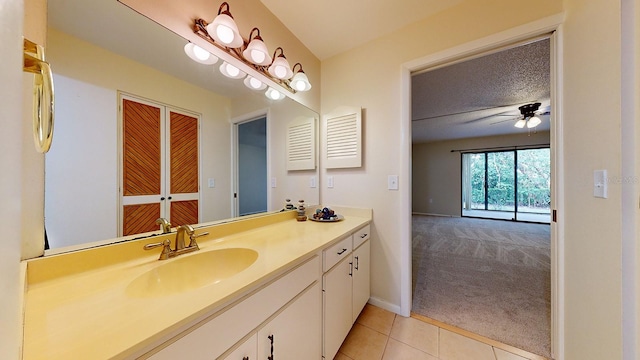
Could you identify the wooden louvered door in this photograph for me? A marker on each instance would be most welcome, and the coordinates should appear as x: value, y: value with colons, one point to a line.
x: 183, y: 165
x: 159, y: 166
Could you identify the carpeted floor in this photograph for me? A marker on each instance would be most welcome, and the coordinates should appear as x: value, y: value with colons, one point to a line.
x: 490, y: 277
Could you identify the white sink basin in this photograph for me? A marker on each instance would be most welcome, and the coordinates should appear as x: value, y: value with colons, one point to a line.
x: 191, y: 272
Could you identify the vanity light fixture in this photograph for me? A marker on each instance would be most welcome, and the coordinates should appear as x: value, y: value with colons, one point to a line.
x: 300, y: 81
x: 254, y: 84
x: 231, y: 71
x: 223, y: 33
x: 256, y: 51
x: 198, y: 54
x: 274, y: 94
x: 224, y: 30
x: 280, y: 68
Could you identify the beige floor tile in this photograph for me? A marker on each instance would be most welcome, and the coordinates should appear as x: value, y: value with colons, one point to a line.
x: 376, y: 318
x: 416, y: 333
x: 363, y: 343
x: 398, y: 351
x: 341, y: 356
x: 504, y: 355
x: 458, y: 347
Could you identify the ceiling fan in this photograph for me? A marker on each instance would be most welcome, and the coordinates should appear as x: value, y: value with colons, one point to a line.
x: 529, y: 116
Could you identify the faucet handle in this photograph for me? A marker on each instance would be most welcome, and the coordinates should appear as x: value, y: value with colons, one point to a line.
x: 166, y: 248
x: 192, y: 239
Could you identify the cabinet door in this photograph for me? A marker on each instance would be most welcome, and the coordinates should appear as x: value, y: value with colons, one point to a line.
x: 337, y: 306
x: 296, y: 332
x: 361, y: 283
x: 247, y: 351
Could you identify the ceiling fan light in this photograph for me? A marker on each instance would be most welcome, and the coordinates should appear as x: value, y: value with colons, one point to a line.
x: 520, y: 123
x: 200, y: 55
x: 533, y: 122
x: 254, y: 84
x: 231, y: 71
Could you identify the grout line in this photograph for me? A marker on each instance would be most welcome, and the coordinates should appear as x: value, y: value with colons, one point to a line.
x: 493, y: 343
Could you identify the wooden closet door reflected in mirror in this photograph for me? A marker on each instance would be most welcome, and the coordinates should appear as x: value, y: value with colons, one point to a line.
x: 159, y: 166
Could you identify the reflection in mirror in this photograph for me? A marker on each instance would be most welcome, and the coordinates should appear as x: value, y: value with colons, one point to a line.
x: 102, y: 52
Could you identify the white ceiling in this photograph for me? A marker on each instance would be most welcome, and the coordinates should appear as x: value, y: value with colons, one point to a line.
x: 345, y: 25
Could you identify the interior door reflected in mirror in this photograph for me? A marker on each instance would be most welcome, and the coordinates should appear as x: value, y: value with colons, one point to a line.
x: 83, y: 168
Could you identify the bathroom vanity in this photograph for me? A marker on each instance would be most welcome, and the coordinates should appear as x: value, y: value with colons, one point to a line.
x: 260, y: 288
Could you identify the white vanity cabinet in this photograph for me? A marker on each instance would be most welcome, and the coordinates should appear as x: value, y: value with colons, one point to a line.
x: 287, y: 303
x: 296, y: 332
x: 248, y: 350
x: 346, y: 287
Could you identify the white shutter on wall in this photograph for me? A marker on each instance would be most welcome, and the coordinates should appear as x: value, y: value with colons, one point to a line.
x: 342, y: 137
x: 301, y: 145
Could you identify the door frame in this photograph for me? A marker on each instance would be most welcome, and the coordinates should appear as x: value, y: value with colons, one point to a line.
x: 549, y: 25
x: 254, y: 115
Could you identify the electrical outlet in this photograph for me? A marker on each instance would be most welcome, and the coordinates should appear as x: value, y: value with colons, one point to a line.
x: 273, y: 182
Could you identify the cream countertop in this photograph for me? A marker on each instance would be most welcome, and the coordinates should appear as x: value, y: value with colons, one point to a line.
x: 88, y: 314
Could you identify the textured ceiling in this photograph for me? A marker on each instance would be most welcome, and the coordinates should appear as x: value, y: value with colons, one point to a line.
x: 481, y: 96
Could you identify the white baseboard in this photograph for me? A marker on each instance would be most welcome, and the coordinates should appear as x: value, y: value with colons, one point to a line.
x: 385, y: 305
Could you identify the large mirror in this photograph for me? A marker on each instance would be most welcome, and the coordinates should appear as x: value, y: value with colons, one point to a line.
x: 103, y: 52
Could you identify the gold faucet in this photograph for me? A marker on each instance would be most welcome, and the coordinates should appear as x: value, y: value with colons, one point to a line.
x: 179, y: 247
x: 165, y: 225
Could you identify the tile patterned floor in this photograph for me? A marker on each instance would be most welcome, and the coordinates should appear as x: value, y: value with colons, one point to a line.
x: 382, y: 335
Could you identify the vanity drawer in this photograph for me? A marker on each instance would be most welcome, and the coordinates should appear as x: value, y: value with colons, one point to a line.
x: 336, y: 253
x: 361, y: 236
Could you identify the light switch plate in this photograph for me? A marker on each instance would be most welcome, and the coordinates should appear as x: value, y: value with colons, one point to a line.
x: 312, y: 182
x: 212, y: 182
x: 273, y: 182
x: 330, y: 182
x: 392, y: 182
x: 600, y: 184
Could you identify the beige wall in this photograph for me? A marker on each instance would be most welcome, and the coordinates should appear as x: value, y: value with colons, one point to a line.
x: 592, y: 140
x: 370, y: 76
x: 436, y: 171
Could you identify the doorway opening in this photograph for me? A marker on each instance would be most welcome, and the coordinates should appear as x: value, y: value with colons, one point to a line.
x: 251, y: 167
x: 462, y: 265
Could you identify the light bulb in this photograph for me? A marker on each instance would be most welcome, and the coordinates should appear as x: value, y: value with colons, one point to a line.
x: 520, y: 123
x: 257, y: 56
x: 232, y: 70
x: 255, y: 83
x: 200, y: 53
x: 225, y: 34
x: 533, y: 122
x: 275, y: 95
x: 280, y: 71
